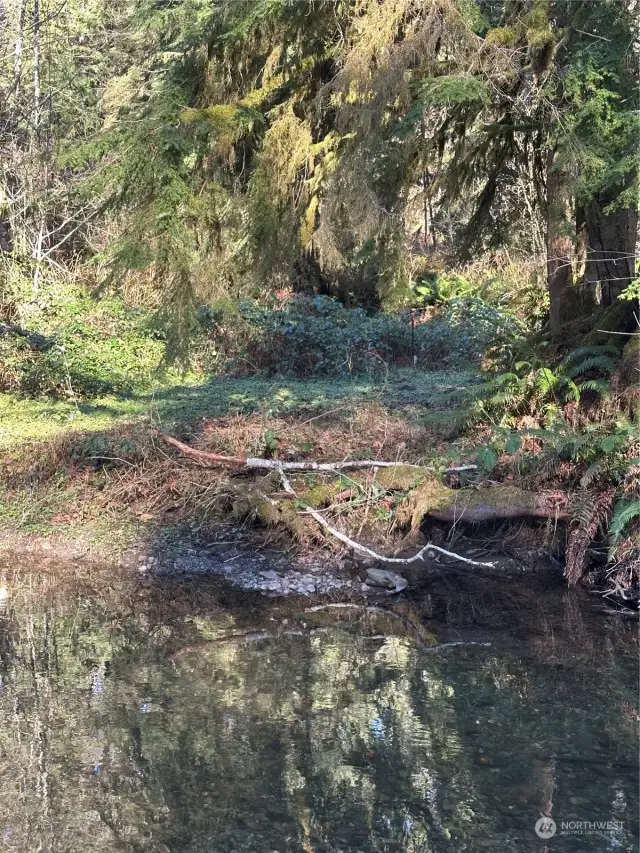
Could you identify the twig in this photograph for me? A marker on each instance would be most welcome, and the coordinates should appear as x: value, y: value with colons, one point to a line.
x: 362, y: 549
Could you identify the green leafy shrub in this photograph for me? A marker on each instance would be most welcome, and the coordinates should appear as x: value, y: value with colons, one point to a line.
x: 318, y: 336
x: 466, y: 330
x: 94, y: 347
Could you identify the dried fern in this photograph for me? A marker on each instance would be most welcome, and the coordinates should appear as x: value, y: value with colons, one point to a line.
x: 590, y: 513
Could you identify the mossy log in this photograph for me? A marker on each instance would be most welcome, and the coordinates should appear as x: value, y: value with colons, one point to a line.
x: 433, y: 499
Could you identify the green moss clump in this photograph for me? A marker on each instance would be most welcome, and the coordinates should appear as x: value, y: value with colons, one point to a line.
x: 631, y: 360
x: 503, y: 36
x: 400, y: 479
x: 497, y: 496
x: 255, y: 504
x: 266, y: 510
x: 322, y: 494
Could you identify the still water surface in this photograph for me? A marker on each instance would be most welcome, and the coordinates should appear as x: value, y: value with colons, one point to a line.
x: 140, y: 717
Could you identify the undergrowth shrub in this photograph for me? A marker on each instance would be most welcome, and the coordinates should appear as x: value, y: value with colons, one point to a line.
x: 466, y: 330
x: 574, y: 424
x: 92, y: 347
x: 317, y: 335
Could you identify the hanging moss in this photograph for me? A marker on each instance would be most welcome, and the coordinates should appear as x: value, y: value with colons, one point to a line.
x: 430, y: 495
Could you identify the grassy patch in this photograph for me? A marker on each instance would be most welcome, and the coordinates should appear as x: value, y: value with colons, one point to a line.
x: 183, y: 406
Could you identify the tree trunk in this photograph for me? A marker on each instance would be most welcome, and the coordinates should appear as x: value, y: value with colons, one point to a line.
x: 36, y: 64
x: 559, y: 240
x: 580, y: 248
x: 17, y: 62
x: 611, y: 245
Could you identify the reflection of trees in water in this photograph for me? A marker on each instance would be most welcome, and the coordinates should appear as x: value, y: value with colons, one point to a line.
x: 327, y: 742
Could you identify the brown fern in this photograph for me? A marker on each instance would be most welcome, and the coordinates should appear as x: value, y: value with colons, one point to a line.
x: 590, y: 513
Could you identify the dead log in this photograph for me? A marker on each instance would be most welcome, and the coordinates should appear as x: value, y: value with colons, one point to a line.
x: 433, y: 499
x: 427, y: 497
x: 368, y: 552
x: 493, y: 504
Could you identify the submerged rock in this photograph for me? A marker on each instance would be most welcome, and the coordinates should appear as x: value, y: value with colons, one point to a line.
x: 388, y: 580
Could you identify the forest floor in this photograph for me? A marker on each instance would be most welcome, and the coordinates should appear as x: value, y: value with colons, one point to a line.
x: 94, y: 479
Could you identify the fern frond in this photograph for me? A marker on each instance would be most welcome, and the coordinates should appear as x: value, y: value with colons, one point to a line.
x: 587, y: 352
x: 551, y: 466
x: 624, y: 512
x: 506, y: 398
x: 600, y: 386
x: 603, y: 363
x: 593, y: 471
x: 545, y: 380
x: 571, y: 391
x: 589, y: 513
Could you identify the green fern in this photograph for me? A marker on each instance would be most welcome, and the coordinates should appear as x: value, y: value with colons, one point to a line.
x: 623, y: 513
x: 592, y: 473
x: 602, y: 363
x: 586, y: 352
x: 569, y: 389
x: 600, y: 386
x: 590, y: 512
x: 545, y: 381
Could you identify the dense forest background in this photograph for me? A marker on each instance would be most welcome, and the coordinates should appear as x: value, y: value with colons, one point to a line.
x: 209, y: 149
x: 269, y: 186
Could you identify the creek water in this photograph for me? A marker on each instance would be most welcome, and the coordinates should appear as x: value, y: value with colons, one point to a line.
x: 140, y: 716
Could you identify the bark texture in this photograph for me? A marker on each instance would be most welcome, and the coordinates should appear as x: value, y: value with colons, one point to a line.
x: 560, y: 241
x: 611, y: 245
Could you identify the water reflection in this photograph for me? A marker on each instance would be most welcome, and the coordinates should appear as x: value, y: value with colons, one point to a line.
x: 144, y: 718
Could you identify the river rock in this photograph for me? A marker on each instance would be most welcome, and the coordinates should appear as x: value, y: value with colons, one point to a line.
x: 389, y: 580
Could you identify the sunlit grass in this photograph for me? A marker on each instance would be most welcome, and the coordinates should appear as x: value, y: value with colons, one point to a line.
x: 183, y: 406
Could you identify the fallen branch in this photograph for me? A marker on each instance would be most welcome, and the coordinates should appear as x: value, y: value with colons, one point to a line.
x: 206, y: 458
x: 467, y: 505
x: 362, y: 549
